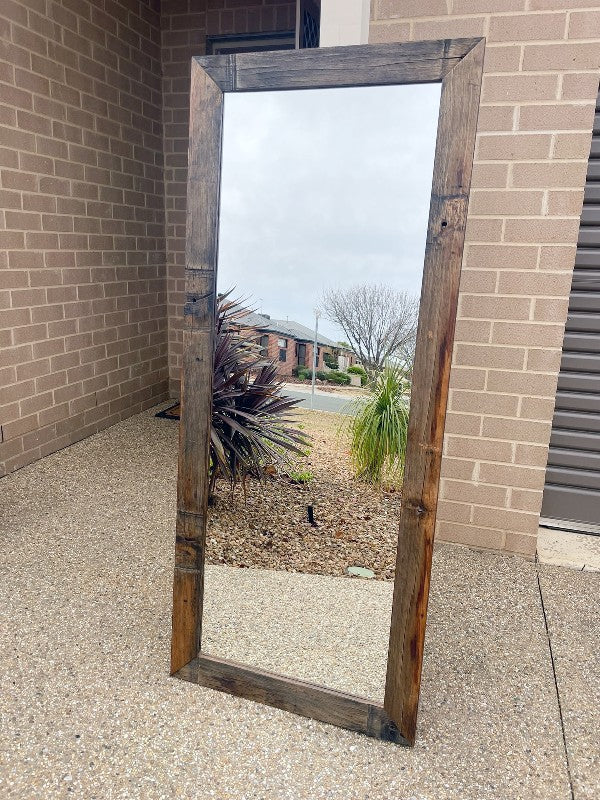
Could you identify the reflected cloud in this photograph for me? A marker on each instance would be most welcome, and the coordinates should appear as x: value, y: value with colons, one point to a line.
x: 325, y: 187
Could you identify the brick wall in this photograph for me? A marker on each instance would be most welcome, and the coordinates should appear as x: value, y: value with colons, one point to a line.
x: 186, y: 24
x: 537, y: 107
x: 84, y: 291
x: 82, y: 285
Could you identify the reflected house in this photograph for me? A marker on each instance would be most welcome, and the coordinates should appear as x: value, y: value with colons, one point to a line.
x: 290, y: 344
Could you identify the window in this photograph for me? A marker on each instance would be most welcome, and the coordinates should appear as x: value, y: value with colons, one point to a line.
x: 282, y: 342
x: 256, y: 42
x: 264, y: 345
x: 283, y: 355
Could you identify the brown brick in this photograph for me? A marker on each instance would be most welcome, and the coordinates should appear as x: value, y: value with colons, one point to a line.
x: 492, y: 256
x: 8, y: 413
x: 23, y: 220
x: 550, y: 310
x: 468, y: 330
x: 536, y: 408
x: 521, y: 543
x: 14, y: 317
x: 477, y: 281
x: 471, y: 535
x: 484, y: 403
x: 38, y: 202
x: 13, y: 278
x: 19, y: 180
x: 525, y: 500
x: 507, y: 519
x: 488, y: 307
x: 565, y: 203
x: 543, y: 360
x: 52, y: 381
x: 484, y: 355
x: 483, y: 229
x: 458, y: 468
x: 501, y: 58
x: 486, y: 6
x: 34, y: 404
x: 519, y: 430
x: 463, y: 424
x: 579, y: 85
x: 389, y: 32
x: 449, y: 27
x: 53, y: 414
x: 389, y: 9
x: 516, y: 88
x: 479, y: 449
x: 508, y: 202
x: 490, y: 176
x: 468, y: 492
x: 521, y: 383
x: 467, y: 378
x: 528, y: 333
x: 534, y: 283
x: 558, y: 257
x: 25, y: 298
x: 532, y: 455
x: 513, y: 147
x: 549, y: 176
x: 9, y: 199
x: 527, y: 27
x: 584, y: 24
x: 34, y: 123
x: 542, y: 231
x: 571, y: 145
x: 16, y: 392
x: 512, y: 475
x: 29, y: 333
x: 553, y: 117
x: 453, y: 512
x: 12, y: 96
x: 496, y: 118
x: 568, y: 56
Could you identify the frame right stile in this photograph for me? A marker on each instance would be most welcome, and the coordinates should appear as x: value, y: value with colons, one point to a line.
x: 458, y: 64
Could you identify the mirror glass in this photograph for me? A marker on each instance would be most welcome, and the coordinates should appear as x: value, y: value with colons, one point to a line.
x: 324, y: 204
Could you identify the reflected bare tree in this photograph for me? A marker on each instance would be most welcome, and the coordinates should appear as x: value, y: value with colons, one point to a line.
x: 379, y: 322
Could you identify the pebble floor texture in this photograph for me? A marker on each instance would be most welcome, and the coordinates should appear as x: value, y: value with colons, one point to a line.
x: 87, y: 709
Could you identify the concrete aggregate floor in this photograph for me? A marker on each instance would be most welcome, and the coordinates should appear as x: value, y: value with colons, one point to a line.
x: 87, y: 709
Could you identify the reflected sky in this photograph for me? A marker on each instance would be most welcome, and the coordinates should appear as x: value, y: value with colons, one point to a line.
x: 324, y: 187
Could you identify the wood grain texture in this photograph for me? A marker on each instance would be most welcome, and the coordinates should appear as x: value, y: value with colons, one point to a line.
x: 458, y: 63
x: 328, y: 67
x: 204, y: 175
x: 290, y: 694
x: 435, y: 336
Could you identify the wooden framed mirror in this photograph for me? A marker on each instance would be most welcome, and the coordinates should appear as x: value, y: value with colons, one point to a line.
x: 457, y: 65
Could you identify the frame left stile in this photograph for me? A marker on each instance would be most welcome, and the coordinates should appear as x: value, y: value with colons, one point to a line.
x: 457, y: 63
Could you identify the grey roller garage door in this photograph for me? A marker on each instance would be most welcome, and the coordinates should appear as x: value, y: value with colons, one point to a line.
x: 572, y: 489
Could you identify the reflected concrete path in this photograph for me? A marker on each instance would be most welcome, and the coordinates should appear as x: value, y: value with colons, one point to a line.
x: 323, y: 401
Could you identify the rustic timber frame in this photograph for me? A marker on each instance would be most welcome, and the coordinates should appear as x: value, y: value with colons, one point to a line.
x: 457, y: 64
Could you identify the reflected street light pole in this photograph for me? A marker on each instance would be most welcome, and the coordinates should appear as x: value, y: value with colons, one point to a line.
x: 314, y: 360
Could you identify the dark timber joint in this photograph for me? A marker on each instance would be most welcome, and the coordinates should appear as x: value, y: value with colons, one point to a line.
x: 194, y: 306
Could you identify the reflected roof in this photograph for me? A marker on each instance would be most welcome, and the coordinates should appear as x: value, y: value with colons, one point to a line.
x: 285, y: 327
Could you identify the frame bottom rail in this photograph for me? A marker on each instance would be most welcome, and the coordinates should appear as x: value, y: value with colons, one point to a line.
x: 291, y: 694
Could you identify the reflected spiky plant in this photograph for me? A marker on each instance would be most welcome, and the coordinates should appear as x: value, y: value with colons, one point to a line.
x: 250, y: 427
x: 379, y: 427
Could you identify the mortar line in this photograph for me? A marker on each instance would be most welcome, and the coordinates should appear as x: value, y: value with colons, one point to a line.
x: 560, y: 712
